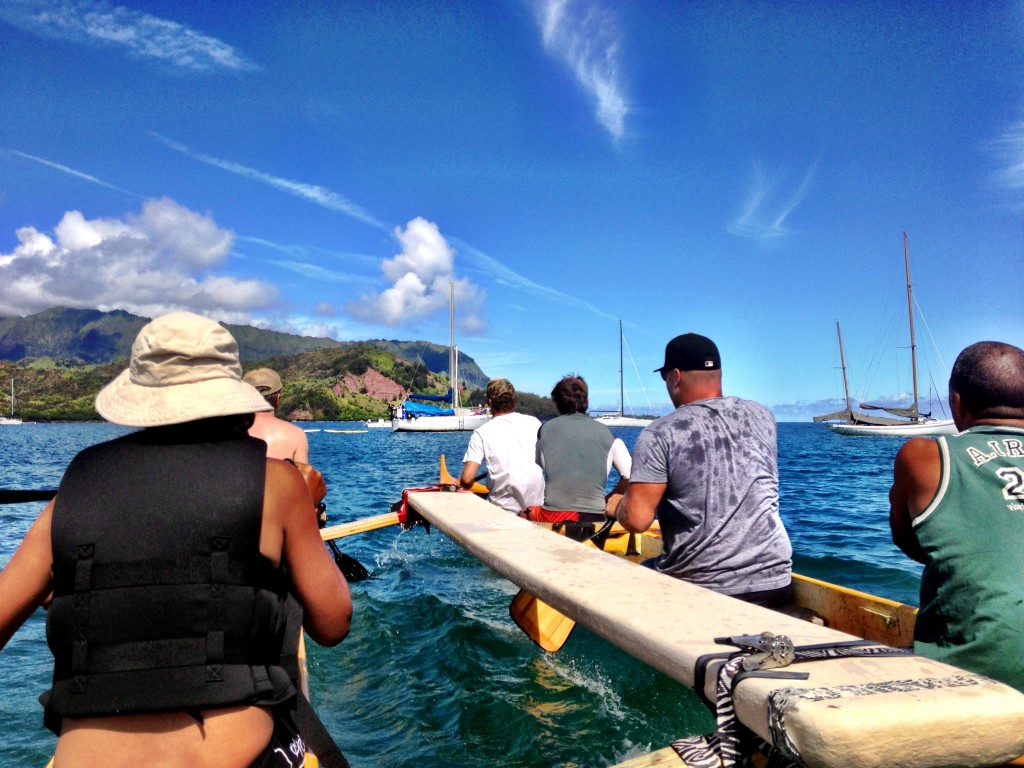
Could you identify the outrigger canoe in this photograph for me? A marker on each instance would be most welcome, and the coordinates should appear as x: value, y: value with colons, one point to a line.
x: 847, y: 610
x: 843, y: 712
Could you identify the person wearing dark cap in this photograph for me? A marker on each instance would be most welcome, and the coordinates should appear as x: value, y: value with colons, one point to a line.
x: 284, y: 440
x: 507, y: 445
x: 708, y: 472
x: 165, y: 560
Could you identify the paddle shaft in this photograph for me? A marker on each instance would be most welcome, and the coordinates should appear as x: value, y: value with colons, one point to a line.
x: 342, y: 530
x: 17, y: 497
x: 327, y: 534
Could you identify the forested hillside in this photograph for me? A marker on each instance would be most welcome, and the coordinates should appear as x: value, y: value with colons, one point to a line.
x: 60, y: 358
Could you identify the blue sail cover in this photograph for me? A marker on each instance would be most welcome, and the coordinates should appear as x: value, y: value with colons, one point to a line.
x: 413, y: 409
x: 445, y: 398
x: 425, y: 409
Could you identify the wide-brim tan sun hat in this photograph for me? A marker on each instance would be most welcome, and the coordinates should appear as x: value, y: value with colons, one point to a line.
x: 184, y: 367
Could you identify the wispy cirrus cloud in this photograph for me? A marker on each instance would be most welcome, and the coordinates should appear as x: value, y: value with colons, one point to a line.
x: 314, y: 193
x: 587, y: 37
x: 1009, y: 151
x: 768, y: 205
x: 314, y: 262
x: 69, y: 171
x: 140, y: 34
x: 505, y: 276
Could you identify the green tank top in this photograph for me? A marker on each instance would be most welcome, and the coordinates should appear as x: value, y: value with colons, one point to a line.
x: 972, y: 533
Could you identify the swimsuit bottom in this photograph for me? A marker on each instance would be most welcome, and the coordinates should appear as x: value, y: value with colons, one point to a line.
x: 540, y: 515
x: 286, y: 748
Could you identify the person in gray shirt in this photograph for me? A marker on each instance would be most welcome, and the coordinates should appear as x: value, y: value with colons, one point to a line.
x: 709, y: 472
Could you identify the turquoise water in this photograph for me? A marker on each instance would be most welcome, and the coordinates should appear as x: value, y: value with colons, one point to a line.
x: 434, y: 672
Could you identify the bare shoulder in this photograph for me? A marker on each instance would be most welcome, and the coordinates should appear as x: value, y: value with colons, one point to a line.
x: 917, y: 473
x: 284, y: 485
x: 283, y: 475
x: 917, y: 454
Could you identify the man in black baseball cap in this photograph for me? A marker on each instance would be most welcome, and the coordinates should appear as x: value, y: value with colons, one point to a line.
x: 708, y: 472
x: 690, y: 352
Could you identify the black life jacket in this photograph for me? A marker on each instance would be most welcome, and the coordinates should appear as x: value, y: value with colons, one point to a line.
x: 162, y: 600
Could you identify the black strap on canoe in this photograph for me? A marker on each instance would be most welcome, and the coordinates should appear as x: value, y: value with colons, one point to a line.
x: 17, y: 497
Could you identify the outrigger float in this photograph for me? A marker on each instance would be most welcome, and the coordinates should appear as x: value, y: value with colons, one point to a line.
x: 814, y: 690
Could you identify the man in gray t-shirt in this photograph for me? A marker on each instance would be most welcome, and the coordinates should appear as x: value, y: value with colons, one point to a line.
x: 709, y: 472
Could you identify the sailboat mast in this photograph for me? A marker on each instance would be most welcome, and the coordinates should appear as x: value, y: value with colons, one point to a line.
x: 910, y: 313
x: 622, y: 399
x: 453, y: 351
x: 842, y: 362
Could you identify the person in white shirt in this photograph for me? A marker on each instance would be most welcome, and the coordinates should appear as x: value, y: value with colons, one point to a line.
x: 507, y: 444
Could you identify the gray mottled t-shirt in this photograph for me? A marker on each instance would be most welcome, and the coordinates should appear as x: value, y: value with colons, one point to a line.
x: 720, y: 513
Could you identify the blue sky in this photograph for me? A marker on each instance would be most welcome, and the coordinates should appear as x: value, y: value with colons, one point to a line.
x: 742, y: 170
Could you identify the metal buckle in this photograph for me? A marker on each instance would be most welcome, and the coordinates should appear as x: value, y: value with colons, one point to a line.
x: 768, y: 651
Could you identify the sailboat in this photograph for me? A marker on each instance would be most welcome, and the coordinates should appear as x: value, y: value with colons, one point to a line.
x: 618, y: 419
x: 902, y: 422
x: 4, y: 420
x: 423, y: 413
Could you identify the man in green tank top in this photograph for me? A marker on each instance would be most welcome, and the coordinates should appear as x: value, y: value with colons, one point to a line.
x: 957, y: 505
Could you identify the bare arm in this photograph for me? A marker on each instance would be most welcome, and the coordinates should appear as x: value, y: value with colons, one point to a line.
x: 26, y: 580
x: 468, y: 477
x: 916, y: 474
x: 620, y: 459
x: 290, y: 528
x: 636, y: 509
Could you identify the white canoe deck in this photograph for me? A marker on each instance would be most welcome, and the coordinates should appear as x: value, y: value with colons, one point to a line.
x: 882, y: 711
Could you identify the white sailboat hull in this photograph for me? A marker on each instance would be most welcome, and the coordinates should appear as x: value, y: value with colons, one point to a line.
x: 459, y: 422
x: 924, y: 428
x: 622, y: 421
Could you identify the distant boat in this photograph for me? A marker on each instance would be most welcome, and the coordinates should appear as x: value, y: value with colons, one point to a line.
x: 617, y: 419
x: 377, y: 423
x: 10, y: 421
x: 421, y: 413
x: 903, y: 422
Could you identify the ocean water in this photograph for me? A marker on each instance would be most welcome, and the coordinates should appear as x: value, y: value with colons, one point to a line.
x: 434, y: 673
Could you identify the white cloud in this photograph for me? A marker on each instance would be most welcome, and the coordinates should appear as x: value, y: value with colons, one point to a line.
x: 69, y: 171
x: 420, y: 276
x: 587, y: 37
x: 1010, y: 153
x: 766, y: 209
x: 500, y: 273
x: 152, y: 262
x: 312, y: 192
x: 140, y: 34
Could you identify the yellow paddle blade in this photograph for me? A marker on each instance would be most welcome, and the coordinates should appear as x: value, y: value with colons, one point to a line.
x: 447, y: 479
x: 544, y: 625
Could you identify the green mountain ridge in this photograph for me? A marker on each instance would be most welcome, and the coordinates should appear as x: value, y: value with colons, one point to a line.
x: 60, y: 358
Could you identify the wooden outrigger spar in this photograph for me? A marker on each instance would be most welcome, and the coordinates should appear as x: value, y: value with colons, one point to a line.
x: 849, y: 712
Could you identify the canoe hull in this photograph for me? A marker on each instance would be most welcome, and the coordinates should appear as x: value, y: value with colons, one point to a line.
x: 850, y: 712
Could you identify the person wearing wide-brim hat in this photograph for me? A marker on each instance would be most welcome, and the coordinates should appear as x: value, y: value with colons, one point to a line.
x: 165, y: 560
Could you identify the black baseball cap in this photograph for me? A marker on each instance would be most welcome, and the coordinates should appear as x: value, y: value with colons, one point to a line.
x: 691, y: 352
